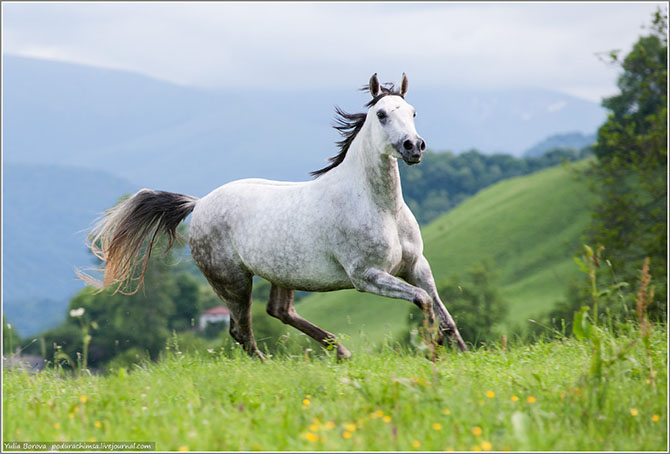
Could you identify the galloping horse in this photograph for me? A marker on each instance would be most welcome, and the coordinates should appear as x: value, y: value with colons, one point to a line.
x: 347, y: 228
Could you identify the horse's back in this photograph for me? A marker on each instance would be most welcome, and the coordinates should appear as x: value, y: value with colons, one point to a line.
x: 277, y: 230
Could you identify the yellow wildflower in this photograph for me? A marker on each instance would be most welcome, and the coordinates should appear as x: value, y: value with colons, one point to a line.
x: 330, y: 425
x: 97, y: 424
x: 304, y: 407
x: 476, y: 431
x: 437, y: 426
x: 655, y: 418
x: 308, y: 396
x: 305, y: 402
x: 633, y: 411
x: 314, y: 428
x: 311, y: 437
x: 476, y: 448
x: 446, y: 411
x: 83, y: 399
x: 386, y: 419
x: 416, y: 443
x: 91, y: 440
x: 515, y: 398
x: 486, y: 446
x: 376, y: 414
x: 531, y: 400
x: 346, y: 434
x: 490, y: 394
x: 57, y: 425
x: 350, y: 427
x: 183, y: 448
x: 71, y: 416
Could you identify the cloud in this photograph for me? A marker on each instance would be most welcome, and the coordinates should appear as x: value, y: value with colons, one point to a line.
x: 292, y: 45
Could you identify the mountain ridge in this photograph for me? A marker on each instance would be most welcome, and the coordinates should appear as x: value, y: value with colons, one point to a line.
x: 192, y: 140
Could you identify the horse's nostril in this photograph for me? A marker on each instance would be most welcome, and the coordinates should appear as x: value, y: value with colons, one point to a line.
x: 422, y: 145
x: 407, y: 145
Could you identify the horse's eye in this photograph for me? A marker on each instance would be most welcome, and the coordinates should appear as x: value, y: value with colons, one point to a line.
x: 414, y: 115
x: 381, y: 115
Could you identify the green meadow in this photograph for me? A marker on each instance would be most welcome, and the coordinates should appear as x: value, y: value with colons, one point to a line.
x: 522, y: 397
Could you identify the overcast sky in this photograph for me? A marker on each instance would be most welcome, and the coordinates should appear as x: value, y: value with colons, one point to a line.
x: 293, y: 45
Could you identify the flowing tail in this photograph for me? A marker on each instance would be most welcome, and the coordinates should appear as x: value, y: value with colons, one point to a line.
x: 120, y: 238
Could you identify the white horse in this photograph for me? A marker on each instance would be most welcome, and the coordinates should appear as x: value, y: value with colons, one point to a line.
x: 347, y: 228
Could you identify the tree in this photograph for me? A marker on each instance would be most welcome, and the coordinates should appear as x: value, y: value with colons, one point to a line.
x: 630, y: 173
x: 187, y: 303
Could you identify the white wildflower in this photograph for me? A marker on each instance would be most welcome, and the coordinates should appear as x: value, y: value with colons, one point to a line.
x: 77, y: 312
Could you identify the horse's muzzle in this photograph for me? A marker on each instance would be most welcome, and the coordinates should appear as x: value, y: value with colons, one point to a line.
x: 411, y: 150
x: 411, y: 160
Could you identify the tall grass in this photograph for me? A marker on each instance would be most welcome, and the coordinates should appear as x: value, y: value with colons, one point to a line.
x: 521, y: 397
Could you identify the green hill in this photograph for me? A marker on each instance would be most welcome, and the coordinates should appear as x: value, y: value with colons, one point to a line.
x: 528, y: 226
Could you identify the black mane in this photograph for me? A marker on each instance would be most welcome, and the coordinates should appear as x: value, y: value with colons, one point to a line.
x: 348, y: 125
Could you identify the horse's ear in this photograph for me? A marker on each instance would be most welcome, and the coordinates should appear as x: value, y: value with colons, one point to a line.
x: 375, y: 88
x: 403, y: 85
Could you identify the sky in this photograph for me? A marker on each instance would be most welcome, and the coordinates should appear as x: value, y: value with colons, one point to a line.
x: 288, y: 46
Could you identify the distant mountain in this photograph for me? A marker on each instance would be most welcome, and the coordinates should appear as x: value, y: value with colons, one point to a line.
x: 573, y: 140
x: 190, y: 140
x: 46, y: 212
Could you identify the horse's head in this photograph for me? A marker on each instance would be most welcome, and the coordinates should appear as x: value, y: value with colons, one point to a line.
x: 391, y: 121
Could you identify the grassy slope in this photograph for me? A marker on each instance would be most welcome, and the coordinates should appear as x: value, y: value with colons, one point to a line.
x: 529, y: 226
x: 221, y: 403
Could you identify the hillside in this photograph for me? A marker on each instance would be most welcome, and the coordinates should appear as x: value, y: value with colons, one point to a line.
x: 572, y: 140
x: 528, y: 226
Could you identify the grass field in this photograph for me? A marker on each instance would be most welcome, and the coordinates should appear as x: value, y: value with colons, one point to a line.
x: 529, y: 227
x: 522, y: 398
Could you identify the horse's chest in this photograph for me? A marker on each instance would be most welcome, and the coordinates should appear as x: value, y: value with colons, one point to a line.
x: 380, y: 243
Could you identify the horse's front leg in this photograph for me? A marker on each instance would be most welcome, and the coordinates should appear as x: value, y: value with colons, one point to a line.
x: 378, y: 282
x: 421, y: 276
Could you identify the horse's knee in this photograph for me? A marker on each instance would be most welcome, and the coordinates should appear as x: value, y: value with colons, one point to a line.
x: 423, y: 300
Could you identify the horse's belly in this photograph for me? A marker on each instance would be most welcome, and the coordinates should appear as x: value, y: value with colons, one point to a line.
x: 296, y: 267
x: 308, y: 280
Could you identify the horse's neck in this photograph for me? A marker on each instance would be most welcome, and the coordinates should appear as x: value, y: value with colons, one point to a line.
x: 377, y: 173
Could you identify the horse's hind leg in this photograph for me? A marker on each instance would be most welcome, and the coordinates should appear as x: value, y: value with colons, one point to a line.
x: 280, y: 305
x: 235, y: 291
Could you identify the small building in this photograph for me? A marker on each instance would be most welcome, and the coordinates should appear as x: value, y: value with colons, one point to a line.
x: 216, y: 314
x: 30, y: 363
